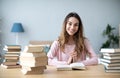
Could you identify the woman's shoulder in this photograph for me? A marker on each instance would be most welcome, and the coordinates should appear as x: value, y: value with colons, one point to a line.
x: 55, y: 42
x: 86, y: 40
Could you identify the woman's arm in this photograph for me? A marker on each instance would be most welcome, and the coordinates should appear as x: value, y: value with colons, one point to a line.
x: 54, y: 54
x: 93, y: 59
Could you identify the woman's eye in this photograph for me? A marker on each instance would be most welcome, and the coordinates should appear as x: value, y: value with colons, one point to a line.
x: 76, y: 24
x: 69, y: 23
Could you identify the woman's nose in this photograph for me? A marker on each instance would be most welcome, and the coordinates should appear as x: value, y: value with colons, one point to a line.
x: 72, y: 27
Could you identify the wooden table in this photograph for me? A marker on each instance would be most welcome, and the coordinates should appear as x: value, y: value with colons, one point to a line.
x: 51, y: 72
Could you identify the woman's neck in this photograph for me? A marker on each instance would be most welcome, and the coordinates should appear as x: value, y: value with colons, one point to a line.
x: 71, y: 41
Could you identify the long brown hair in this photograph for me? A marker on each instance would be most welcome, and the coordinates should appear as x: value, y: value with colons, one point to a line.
x: 78, y: 36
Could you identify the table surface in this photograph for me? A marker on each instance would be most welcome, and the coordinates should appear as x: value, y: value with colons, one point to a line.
x: 51, y: 72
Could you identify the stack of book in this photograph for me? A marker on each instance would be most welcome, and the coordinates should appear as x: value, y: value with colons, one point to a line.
x: 111, y: 59
x: 11, y: 56
x: 33, y: 59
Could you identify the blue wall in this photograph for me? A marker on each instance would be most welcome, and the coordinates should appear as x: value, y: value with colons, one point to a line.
x: 42, y: 19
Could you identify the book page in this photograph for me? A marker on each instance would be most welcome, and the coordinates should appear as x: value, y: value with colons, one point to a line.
x: 77, y: 66
x: 73, y: 66
x: 64, y: 67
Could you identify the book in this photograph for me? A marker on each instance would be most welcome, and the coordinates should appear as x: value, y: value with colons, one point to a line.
x: 33, y: 59
x: 110, y: 50
x: 112, y: 70
x: 110, y: 60
x: 33, y: 64
x: 12, y: 53
x: 12, y: 46
x: 111, y: 54
x: 73, y: 66
x: 11, y: 50
x: 10, y: 66
x: 110, y: 64
x: 111, y: 57
x: 10, y: 63
x: 35, y: 54
x: 11, y: 60
x: 112, y: 67
x: 34, y: 48
x: 11, y: 57
x: 33, y: 68
x: 27, y: 72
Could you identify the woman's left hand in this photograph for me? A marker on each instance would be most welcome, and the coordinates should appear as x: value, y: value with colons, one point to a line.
x: 74, y: 56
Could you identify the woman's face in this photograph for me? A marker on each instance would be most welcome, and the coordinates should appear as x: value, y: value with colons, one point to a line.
x: 72, y: 26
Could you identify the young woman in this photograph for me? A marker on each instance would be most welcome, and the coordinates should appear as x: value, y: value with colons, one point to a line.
x: 71, y: 46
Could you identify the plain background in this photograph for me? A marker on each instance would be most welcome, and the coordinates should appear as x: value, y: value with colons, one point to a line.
x: 42, y: 19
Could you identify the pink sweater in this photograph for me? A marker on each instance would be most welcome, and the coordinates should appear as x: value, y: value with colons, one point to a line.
x: 56, y: 57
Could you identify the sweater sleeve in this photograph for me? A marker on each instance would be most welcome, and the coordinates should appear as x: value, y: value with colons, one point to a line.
x: 54, y: 54
x: 93, y: 59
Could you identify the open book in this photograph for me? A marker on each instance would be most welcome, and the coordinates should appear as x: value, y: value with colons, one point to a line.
x: 73, y: 66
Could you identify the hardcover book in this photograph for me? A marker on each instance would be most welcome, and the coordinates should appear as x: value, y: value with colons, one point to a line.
x: 34, y: 54
x: 111, y: 57
x: 112, y: 54
x: 33, y: 68
x: 33, y: 64
x: 74, y: 66
x: 110, y: 64
x: 112, y: 67
x: 110, y: 60
x: 27, y: 72
x: 33, y: 59
x: 10, y: 66
x: 110, y: 50
x: 34, y: 48
x: 12, y: 46
x: 112, y: 70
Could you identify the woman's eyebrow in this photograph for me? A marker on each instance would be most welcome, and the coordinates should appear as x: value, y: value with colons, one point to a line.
x: 68, y: 21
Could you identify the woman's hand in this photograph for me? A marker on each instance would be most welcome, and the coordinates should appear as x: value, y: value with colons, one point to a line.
x: 69, y: 60
x: 74, y: 56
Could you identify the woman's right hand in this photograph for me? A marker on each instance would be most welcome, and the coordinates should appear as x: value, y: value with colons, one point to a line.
x: 73, y: 56
x: 69, y: 60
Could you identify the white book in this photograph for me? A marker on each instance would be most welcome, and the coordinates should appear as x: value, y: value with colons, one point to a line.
x: 112, y: 67
x: 110, y: 60
x: 112, y: 54
x: 12, y: 46
x: 25, y: 71
x: 110, y: 64
x: 73, y: 66
x: 11, y: 55
x: 110, y: 50
x: 112, y: 70
x: 35, y: 54
x: 111, y: 57
x: 33, y: 64
x: 34, y: 48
